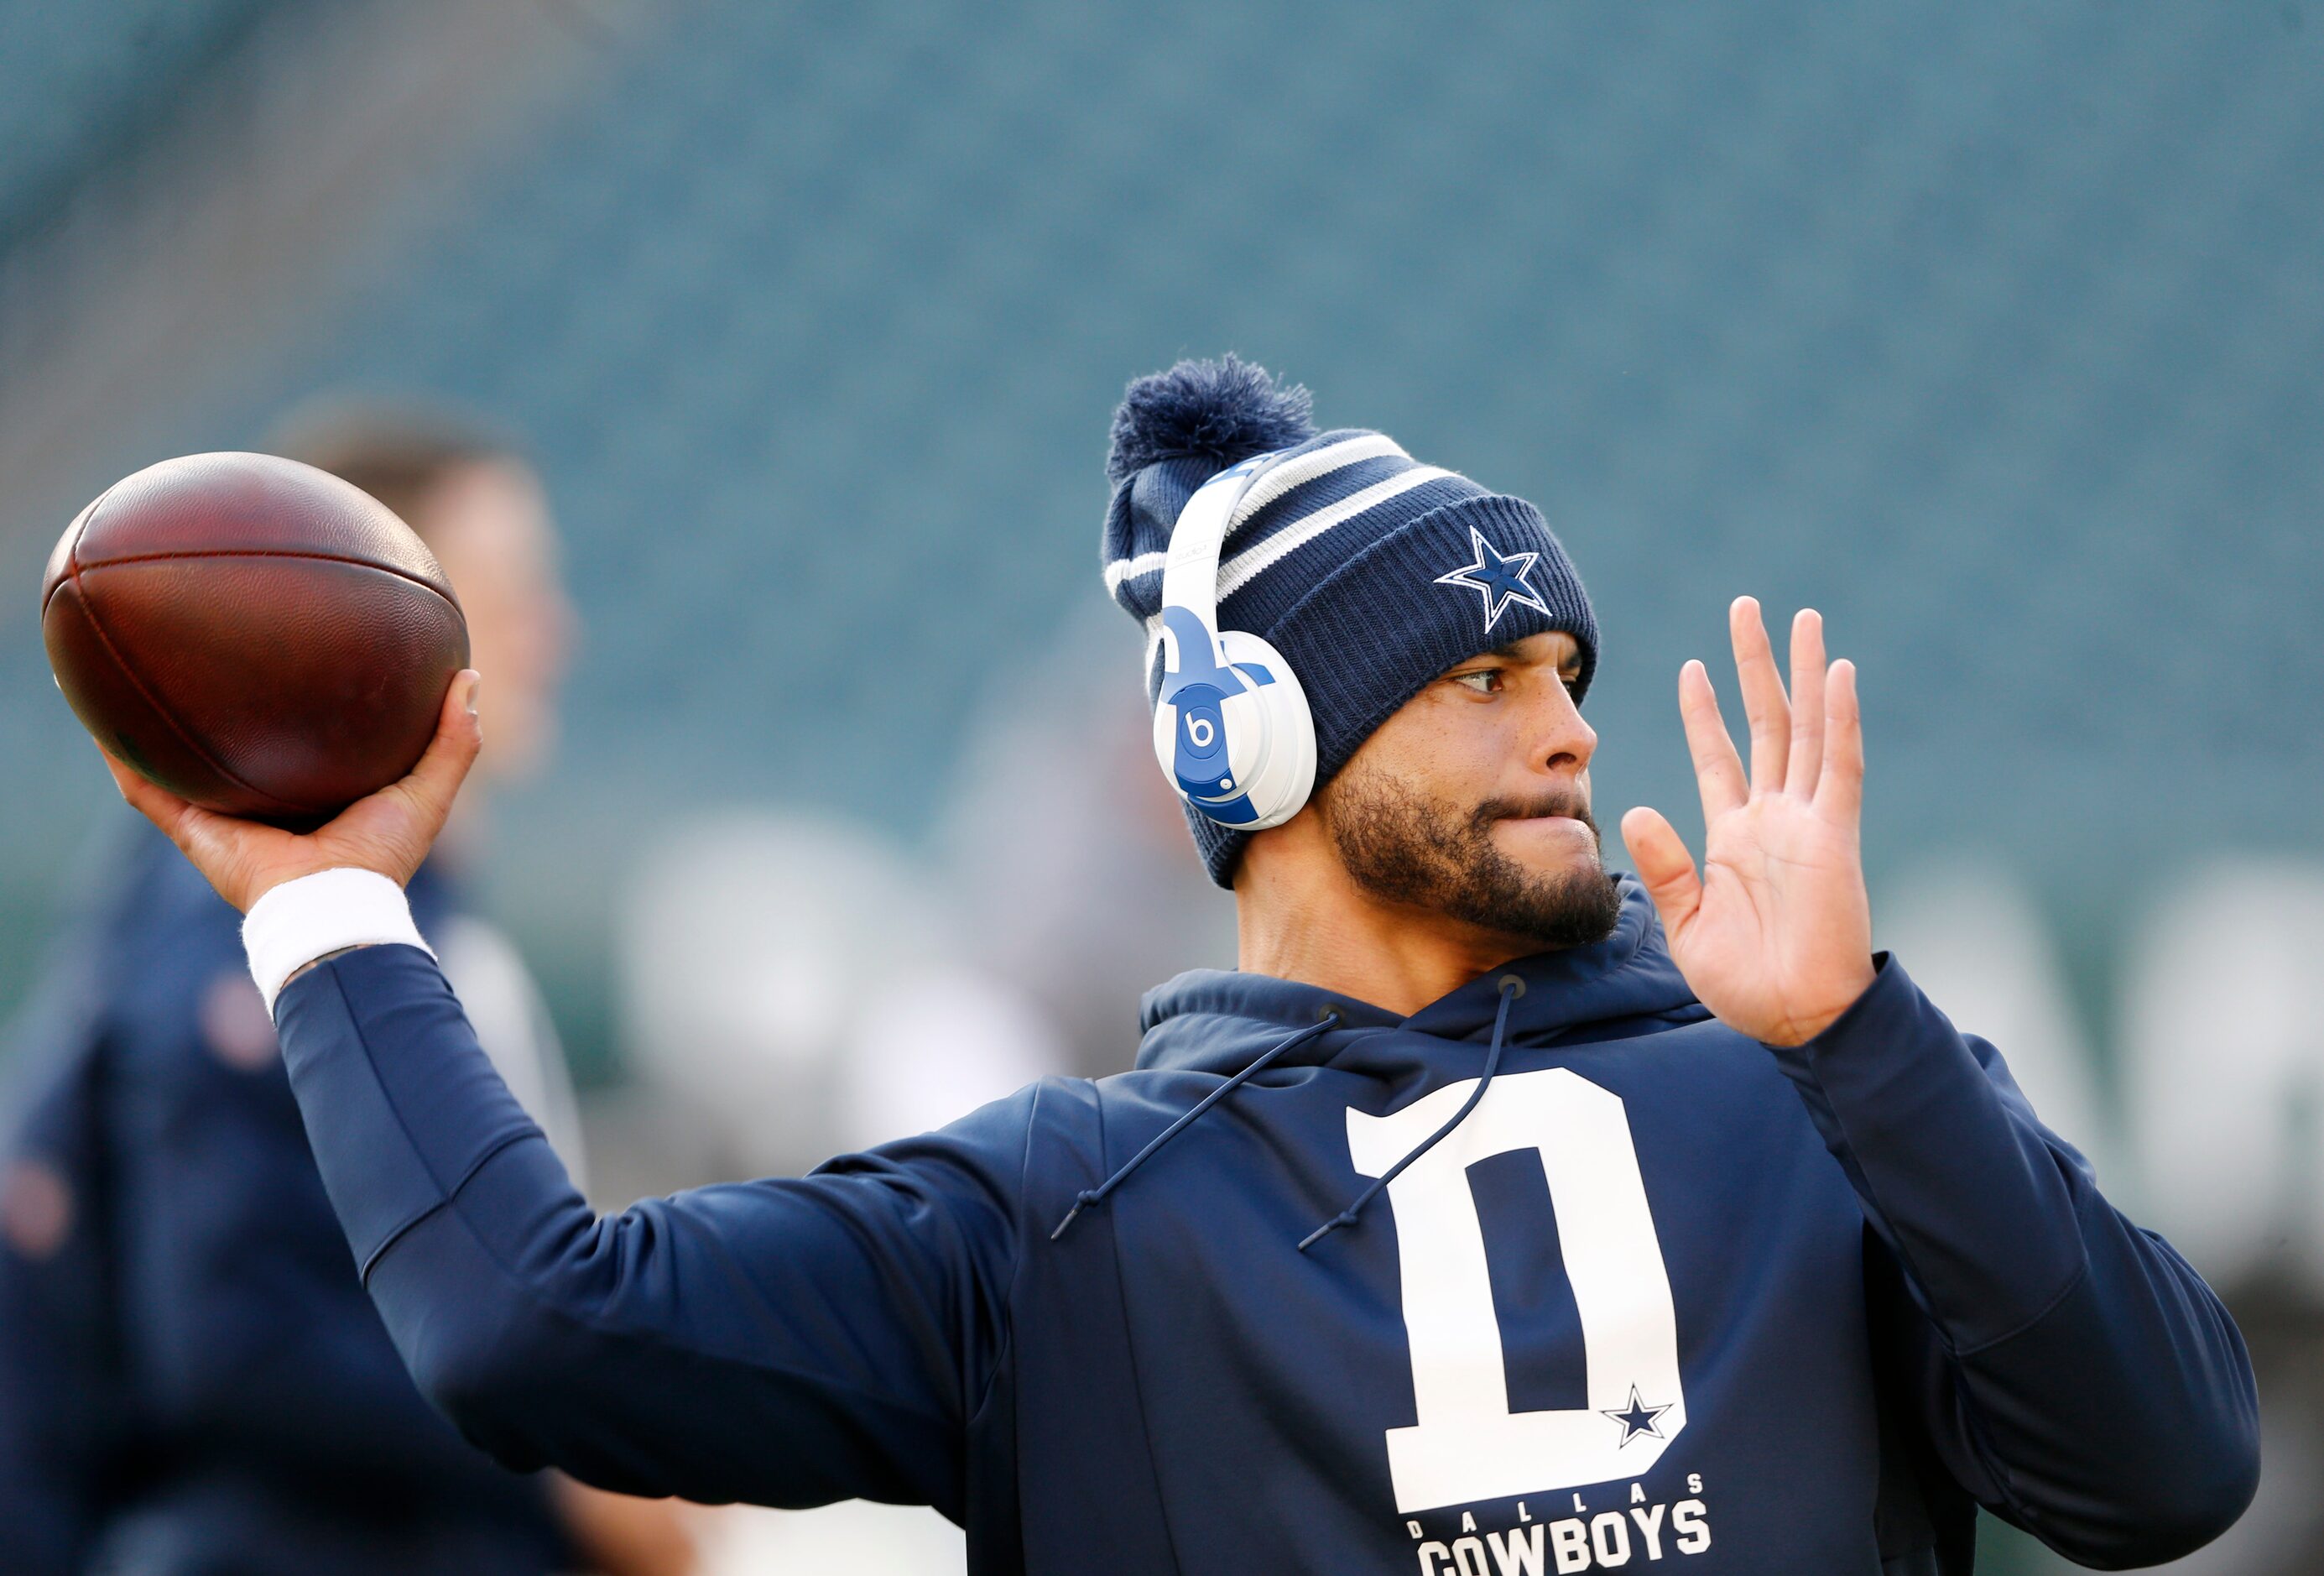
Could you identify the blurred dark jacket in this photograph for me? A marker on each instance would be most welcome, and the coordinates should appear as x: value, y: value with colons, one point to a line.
x: 191, y: 1378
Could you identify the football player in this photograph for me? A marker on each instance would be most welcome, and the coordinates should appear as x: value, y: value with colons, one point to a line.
x: 1497, y: 1215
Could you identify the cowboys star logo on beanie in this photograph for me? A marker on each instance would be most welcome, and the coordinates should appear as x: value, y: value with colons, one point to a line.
x: 1500, y: 576
x: 1371, y: 572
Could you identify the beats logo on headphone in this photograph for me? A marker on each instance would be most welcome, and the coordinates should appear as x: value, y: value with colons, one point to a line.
x: 1231, y: 728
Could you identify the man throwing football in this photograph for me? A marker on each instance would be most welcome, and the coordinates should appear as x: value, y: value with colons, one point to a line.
x: 1497, y: 1215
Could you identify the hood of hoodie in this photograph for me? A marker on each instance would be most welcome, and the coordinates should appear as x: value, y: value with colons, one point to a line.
x: 1210, y: 1020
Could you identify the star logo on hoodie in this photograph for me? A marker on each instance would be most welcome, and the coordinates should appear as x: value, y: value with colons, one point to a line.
x: 1637, y: 1419
x: 1498, y: 577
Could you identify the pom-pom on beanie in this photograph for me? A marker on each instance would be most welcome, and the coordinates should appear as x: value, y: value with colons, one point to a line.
x: 1371, y: 572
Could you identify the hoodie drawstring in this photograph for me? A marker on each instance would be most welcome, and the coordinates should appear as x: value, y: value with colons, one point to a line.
x: 1097, y: 1195
x: 1511, y: 988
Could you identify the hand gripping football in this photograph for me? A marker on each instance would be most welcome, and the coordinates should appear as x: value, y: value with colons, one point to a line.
x: 252, y: 633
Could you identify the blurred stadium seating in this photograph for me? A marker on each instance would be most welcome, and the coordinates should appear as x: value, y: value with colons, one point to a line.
x: 81, y: 85
x: 1992, y: 333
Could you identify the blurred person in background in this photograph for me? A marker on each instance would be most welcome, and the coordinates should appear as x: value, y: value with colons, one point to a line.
x: 1045, y: 913
x: 191, y: 1377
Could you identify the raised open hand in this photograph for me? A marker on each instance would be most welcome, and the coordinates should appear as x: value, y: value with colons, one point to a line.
x: 388, y: 831
x: 1775, y: 935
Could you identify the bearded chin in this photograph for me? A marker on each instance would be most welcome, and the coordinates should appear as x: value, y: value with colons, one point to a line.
x: 1404, y: 846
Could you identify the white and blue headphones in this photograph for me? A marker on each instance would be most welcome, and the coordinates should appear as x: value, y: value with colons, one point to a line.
x: 1232, y: 726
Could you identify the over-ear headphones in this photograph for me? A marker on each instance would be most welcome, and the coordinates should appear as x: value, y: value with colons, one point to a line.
x: 1232, y: 726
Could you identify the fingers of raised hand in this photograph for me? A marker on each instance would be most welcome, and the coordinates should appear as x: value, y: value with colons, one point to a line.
x: 1806, y: 762
x: 1718, y: 770
x: 1840, y: 786
x: 1764, y: 704
x: 1664, y: 866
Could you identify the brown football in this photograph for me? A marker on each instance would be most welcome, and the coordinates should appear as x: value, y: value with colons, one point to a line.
x: 252, y: 633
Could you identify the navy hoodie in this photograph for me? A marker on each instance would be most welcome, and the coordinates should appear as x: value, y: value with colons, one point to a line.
x: 191, y: 1379
x: 1662, y: 1296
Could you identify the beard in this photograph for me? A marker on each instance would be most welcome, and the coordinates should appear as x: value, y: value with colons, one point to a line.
x: 1403, y: 845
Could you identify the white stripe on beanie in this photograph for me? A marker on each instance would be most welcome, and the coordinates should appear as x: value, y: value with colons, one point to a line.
x: 1311, y: 466
x: 1130, y: 568
x: 1243, y: 568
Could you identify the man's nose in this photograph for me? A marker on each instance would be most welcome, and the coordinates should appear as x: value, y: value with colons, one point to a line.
x: 1565, y: 742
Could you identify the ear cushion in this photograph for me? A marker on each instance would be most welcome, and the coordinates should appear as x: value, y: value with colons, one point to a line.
x: 1274, y: 760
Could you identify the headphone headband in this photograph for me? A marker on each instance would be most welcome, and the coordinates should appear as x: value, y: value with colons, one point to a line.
x: 1190, y: 572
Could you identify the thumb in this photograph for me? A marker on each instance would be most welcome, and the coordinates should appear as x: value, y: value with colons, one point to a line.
x: 1664, y: 866
x: 431, y: 786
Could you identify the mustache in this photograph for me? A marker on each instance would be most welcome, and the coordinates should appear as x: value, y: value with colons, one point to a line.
x: 1547, y: 802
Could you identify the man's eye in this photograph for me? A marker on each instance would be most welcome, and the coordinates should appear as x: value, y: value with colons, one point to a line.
x: 1485, y: 684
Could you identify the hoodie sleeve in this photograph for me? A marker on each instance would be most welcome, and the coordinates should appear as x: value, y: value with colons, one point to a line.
x: 2073, y: 1373
x: 244, y: 1322
x: 786, y: 1342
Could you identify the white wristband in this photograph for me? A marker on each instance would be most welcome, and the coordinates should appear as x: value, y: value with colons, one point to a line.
x: 294, y: 923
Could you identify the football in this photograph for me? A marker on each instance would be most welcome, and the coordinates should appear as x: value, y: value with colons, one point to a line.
x: 252, y: 633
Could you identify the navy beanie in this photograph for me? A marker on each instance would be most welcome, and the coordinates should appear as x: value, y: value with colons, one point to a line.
x: 1369, y: 573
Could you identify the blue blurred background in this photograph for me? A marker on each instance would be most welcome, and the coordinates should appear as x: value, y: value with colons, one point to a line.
x: 1994, y: 332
